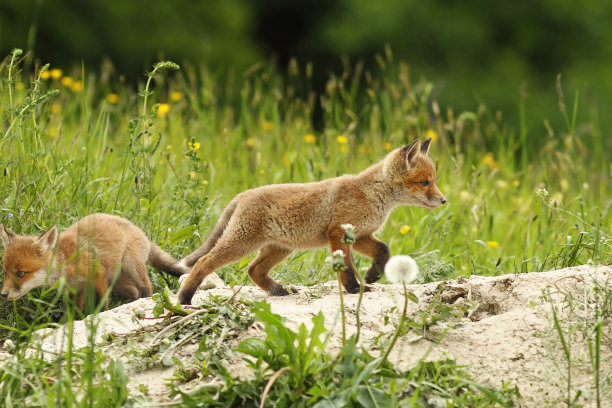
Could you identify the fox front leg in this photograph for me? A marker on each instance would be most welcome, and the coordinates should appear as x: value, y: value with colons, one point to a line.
x: 378, y: 251
x: 347, y: 276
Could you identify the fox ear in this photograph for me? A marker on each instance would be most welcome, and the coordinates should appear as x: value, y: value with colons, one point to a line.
x: 46, y: 241
x: 7, y: 235
x: 425, y: 146
x: 410, y: 152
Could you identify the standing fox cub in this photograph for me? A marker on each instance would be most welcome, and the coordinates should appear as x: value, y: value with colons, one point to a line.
x: 278, y: 219
x: 89, y: 253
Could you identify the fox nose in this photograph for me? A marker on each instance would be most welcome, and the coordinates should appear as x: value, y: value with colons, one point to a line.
x: 443, y: 200
x: 4, y: 293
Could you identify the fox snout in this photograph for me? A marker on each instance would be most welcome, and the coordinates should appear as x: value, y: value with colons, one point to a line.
x: 436, y: 197
x: 7, y: 293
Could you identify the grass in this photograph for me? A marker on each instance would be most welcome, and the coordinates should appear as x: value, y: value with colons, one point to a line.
x: 170, y: 153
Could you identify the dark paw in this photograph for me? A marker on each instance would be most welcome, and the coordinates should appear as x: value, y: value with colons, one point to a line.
x: 278, y: 290
x: 372, y: 276
x: 184, y: 297
x: 355, y: 289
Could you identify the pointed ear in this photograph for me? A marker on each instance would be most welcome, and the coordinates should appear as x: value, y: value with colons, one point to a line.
x: 410, y: 152
x: 425, y: 146
x: 7, y: 235
x: 46, y: 241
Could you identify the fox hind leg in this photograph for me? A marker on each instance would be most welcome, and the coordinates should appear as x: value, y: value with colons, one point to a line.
x: 134, y: 270
x: 231, y: 247
x: 126, y: 289
x: 268, y: 256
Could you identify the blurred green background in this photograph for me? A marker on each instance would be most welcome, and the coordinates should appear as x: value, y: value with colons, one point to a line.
x: 473, y: 50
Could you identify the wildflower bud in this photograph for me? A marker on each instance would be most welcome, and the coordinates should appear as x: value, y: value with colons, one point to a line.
x: 349, y: 234
x: 9, y: 345
x: 166, y: 65
x: 139, y: 313
x: 401, y: 269
x: 542, y: 193
x: 338, y: 261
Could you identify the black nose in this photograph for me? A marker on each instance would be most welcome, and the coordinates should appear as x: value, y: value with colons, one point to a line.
x: 443, y: 200
x: 5, y: 294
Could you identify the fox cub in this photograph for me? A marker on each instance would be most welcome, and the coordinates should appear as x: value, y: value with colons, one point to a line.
x: 89, y: 253
x: 278, y: 219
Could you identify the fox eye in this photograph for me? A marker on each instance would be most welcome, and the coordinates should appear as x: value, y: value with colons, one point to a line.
x: 21, y: 274
x: 425, y: 182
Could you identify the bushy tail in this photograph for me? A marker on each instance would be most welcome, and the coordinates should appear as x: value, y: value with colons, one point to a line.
x: 217, y: 231
x: 161, y: 260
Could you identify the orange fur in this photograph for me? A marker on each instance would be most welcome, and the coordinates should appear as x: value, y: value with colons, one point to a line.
x: 88, y: 254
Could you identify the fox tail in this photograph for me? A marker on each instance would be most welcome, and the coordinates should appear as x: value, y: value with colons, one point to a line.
x: 161, y: 260
x: 214, y: 236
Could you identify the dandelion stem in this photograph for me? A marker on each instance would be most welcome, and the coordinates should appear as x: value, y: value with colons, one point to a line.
x: 361, y: 288
x: 398, y: 330
x: 342, y: 308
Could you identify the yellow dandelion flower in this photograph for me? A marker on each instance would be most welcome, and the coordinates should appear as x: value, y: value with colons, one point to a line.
x: 205, y: 182
x: 341, y: 139
x: 310, y: 138
x: 250, y: 142
x: 464, y: 195
x: 194, y: 145
x: 77, y: 86
x: 502, y: 184
x: 163, y: 109
x: 52, y: 132
x: 112, y: 98
x: 431, y: 133
x: 56, y: 108
x: 45, y: 75
x: 404, y: 230
x: 286, y: 161
x: 169, y: 147
x: 55, y: 73
x: 262, y: 172
x: 176, y: 96
x: 490, y: 161
x: 67, y: 81
x: 492, y: 244
x: 516, y: 183
x: 268, y: 126
x: 193, y: 175
x: 388, y: 146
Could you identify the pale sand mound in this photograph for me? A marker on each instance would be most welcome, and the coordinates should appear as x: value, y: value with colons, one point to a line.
x: 509, y: 337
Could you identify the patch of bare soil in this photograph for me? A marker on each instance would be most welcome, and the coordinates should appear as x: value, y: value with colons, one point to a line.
x: 506, y: 336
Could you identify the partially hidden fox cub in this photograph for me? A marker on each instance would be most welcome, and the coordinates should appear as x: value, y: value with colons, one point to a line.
x: 278, y: 219
x: 90, y: 252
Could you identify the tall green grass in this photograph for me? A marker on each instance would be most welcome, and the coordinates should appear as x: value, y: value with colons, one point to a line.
x: 170, y: 153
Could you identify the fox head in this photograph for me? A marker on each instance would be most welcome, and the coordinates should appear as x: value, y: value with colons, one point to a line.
x: 413, y: 175
x: 26, y: 260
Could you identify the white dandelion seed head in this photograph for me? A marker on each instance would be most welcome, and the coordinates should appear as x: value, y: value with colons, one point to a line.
x: 401, y: 269
x: 339, y: 253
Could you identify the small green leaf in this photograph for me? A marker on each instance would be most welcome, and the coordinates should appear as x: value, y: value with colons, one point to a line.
x: 182, y: 235
x: 412, y: 297
x: 255, y: 347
